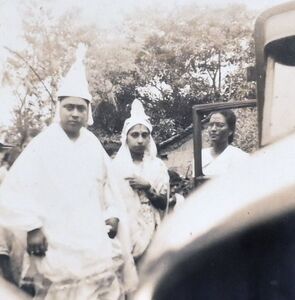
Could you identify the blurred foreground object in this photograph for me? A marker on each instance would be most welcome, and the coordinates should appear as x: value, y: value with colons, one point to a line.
x: 9, y: 291
x: 234, y: 237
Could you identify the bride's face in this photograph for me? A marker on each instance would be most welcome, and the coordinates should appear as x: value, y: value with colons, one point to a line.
x: 138, y: 138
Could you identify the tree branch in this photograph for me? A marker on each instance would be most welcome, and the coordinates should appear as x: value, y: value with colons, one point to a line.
x: 32, y: 69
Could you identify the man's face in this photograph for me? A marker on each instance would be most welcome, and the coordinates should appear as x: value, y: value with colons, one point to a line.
x: 218, y: 129
x: 138, y: 138
x: 73, y: 115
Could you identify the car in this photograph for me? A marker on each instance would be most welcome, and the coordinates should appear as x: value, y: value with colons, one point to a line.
x: 234, y: 237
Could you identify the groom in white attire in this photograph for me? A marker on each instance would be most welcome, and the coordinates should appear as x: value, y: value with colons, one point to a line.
x: 58, y: 192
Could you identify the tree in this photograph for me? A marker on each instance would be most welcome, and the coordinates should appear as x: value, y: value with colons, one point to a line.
x: 169, y: 60
x: 35, y: 71
x: 196, y: 55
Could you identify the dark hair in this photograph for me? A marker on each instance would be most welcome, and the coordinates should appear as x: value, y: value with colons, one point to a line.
x: 61, y: 98
x: 64, y: 97
x: 230, y: 119
x: 136, y: 125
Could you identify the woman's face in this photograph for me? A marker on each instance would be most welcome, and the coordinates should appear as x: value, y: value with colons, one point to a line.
x: 218, y: 129
x: 138, y: 138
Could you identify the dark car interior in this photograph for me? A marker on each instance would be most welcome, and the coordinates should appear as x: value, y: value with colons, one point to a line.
x: 255, y: 263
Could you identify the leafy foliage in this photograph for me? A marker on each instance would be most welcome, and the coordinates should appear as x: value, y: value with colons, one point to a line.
x: 171, y: 62
x: 194, y: 56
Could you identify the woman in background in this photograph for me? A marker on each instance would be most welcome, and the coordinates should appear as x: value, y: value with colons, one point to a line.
x: 221, y: 156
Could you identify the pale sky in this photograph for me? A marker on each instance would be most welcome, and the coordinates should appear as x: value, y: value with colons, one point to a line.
x: 103, y: 12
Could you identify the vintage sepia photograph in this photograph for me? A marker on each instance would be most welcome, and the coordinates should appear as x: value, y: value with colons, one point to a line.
x: 147, y: 150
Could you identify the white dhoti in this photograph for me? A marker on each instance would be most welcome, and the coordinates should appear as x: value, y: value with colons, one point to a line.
x: 60, y: 186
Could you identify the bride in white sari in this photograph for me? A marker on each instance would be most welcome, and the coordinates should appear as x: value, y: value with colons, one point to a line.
x: 143, y: 177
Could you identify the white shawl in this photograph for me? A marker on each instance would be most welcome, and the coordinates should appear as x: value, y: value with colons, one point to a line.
x: 60, y: 185
x: 151, y: 169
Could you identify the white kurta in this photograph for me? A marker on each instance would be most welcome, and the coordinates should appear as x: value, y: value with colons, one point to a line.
x: 58, y: 184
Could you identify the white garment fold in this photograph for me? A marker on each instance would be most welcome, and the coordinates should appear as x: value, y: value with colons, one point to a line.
x: 143, y: 217
x: 223, y: 163
x: 59, y: 185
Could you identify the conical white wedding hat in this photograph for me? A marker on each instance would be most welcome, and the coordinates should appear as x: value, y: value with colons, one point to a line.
x: 75, y: 83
